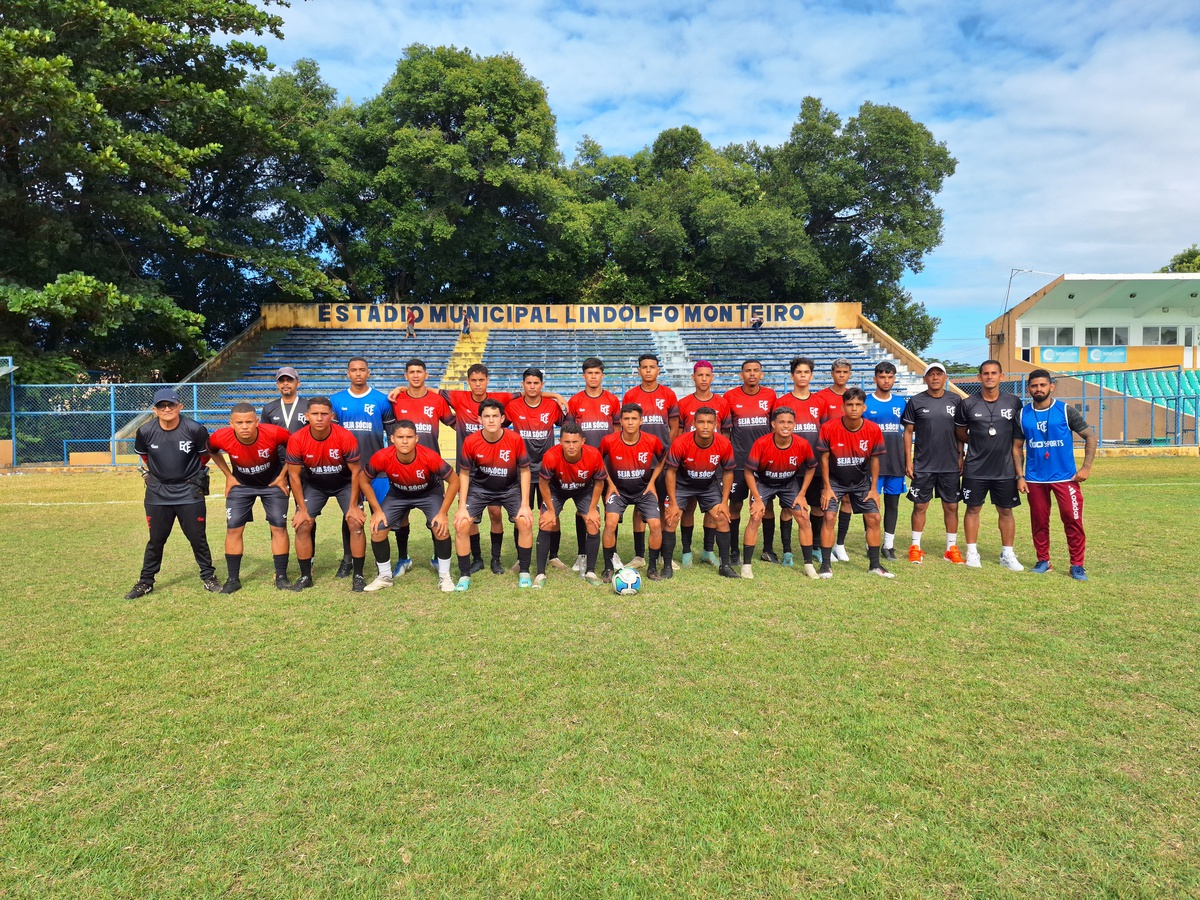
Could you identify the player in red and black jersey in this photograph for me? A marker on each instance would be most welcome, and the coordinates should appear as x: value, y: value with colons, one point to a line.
x: 598, y: 413
x: 494, y: 471
x: 780, y: 465
x: 534, y: 417
x: 571, y: 470
x: 831, y: 406
x: 634, y: 460
x: 849, y: 448
x: 750, y: 414
x: 257, y: 453
x: 425, y: 408
x: 700, y: 473
x: 811, y: 413
x: 418, y: 479
x: 702, y: 378
x: 323, y: 461
x: 660, y: 417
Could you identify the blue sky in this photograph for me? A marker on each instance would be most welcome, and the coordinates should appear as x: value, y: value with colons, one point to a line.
x: 1074, y: 124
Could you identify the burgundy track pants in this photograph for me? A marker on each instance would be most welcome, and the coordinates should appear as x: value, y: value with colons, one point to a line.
x: 1070, y: 509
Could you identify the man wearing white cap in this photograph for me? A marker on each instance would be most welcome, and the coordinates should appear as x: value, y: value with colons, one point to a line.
x: 935, y: 466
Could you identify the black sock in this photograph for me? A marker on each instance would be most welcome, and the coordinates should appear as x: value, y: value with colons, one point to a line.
x: 305, y: 566
x: 543, y: 550
x: 639, y: 544
x: 806, y: 550
x: 464, y: 564
x: 516, y: 535
x: 441, y: 547
x: 891, y: 512
x: 233, y: 566
x: 710, y: 537
x: 555, y: 543
x: 345, y: 540
x: 610, y: 557
x: 785, y: 535
x: 653, y: 559
x: 768, y: 534
x: 747, y: 554
x: 497, y: 538
x: 667, y: 550
x: 872, y: 557
x: 402, y: 534
x: 523, y: 555
x: 382, y: 551
x: 735, y: 525
x: 592, y: 550
x: 686, y: 532
x: 826, y: 559
x: 581, y: 534
x: 722, y: 540
x: 843, y: 527
x: 281, y: 564
x: 815, y: 521
x: 358, y: 565
x: 476, y: 547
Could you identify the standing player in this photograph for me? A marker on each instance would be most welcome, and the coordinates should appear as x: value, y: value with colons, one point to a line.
x: 418, y: 478
x: 174, y: 452
x: 287, y: 410
x: 365, y: 413
x: 850, y: 447
x: 1049, y: 426
x: 830, y: 399
x: 660, y: 417
x: 810, y: 412
x: 933, y: 470
x: 534, y: 417
x: 571, y: 470
x: 780, y: 465
x: 257, y: 454
x: 750, y: 418
x: 702, y: 378
x: 323, y: 462
x: 634, y: 460
x: 886, y: 409
x: 494, y: 471
x: 990, y: 426
x: 699, y: 473
x: 598, y: 412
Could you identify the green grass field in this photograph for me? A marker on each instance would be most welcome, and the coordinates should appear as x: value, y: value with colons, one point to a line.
x: 949, y: 733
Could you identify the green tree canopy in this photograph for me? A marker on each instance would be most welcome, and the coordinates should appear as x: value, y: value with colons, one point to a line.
x: 1185, y: 261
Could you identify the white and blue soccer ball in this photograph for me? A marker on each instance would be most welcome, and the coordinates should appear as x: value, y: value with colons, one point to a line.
x: 626, y: 581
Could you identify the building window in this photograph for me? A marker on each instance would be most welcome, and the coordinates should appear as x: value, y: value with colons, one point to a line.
x: 1056, y: 336
x: 1160, y: 335
x: 1107, y: 336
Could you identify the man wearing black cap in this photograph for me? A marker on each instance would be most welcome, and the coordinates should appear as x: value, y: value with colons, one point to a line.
x: 174, y: 451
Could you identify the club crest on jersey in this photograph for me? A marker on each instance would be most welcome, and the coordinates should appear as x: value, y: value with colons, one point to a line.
x: 813, y: 410
x: 506, y: 455
x: 659, y: 402
x: 863, y: 445
x: 1006, y: 413
x: 546, y: 418
x: 714, y: 460
x: 762, y: 404
x: 950, y: 409
x: 369, y: 409
x: 185, y: 446
x: 643, y: 457
x: 604, y: 409
x: 420, y: 474
x: 264, y: 454
x: 335, y: 453
x: 428, y: 412
x: 897, y: 410
x: 1043, y: 427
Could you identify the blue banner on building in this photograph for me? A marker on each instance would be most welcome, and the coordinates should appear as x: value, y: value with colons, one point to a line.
x: 1058, y: 355
x: 1106, y: 355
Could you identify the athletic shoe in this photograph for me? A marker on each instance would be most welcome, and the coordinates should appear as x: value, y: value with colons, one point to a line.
x: 840, y: 554
x: 359, y: 584
x: 769, y: 556
x: 606, y: 575
x: 211, y: 584
x: 282, y: 583
x: 516, y: 569
x: 953, y: 555
x: 539, y: 581
x: 446, y: 583
x: 477, y: 565
x: 1010, y: 562
x: 523, y: 580
x: 916, y: 555
x: 580, y: 564
x: 788, y: 559
x: 973, y: 560
x: 881, y: 572
x: 401, y: 567
x: 497, y: 566
x: 747, y: 571
x: 345, y: 569
x: 1078, y: 573
x: 810, y: 570
x: 652, y: 575
x: 816, y: 556
x: 464, y: 583
x: 302, y: 583
x: 888, y: 553
x: 1043, y: 566
x: 380, y: 582
x: 141, y: 589
x: 668, y: 572
x: 825, y: 573
x: 675, y: 567
x: 636, y: 563
x: 558, y: 564
x: 433, y: 563
x: 686, y: 559
x: 232, y: 586
x: 592, y: 578
x: 728, y: 572
x: 708, y: 556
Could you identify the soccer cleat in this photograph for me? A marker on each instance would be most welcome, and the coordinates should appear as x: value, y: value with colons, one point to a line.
x: 652, y: 574
x: 232, y: 586
x: 302, y: 583
x: 464, y: 584
x: 881, y: 572
x: 446, y: 583
x: 840, y: 554
x: 825, y: 573
x: 1010, y: 562
x: 477, y: 565
x: 359, y: 584
x: 973, y: 560
x: 675, y: 567
x: 888, y: 553
x: 1043, y: 566
x: 953, y: 555
x: 282, y: 583
x: 769, y: 556
x: 211, y: 584
x: 810, y: 570
x: 345, y: 569
x: 728, y: 572
x: 636, y: 563
x: 606, y: 575
x: 497, y: 566
x: 592, y: 578
x: 1078, y: 573
x: 580, y: 564
x: 916, y: 555
x: 141, y: 589
x: 380, y: 582
x: 433, y: 563
x: 516, y: 569
x: 668, y: 572
x: 558, y: 564
x: 402, y: 566
x: 539, y: 581
x: 686, y: 559
x: 523, y: 580
x: 710, y: 557
x: 788, y: 559
x: 747, y: 571
x: 817, y: 555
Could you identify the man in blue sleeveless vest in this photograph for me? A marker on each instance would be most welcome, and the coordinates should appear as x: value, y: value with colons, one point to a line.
x: 1050, y: 426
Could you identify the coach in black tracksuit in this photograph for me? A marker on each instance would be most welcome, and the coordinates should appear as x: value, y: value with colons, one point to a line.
x: 174, y: 450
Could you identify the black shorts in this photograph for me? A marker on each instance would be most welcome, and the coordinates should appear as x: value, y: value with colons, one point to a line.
x: 706, y: 497
x: 646, y: 504
x: 535, y: 496
x: 510, y: 500
x: 813, y: 497
x: 239, y: 505
x: 582, y: 498
x: 315, y: 499
x: 927, y: 485
x: 859, y: 503
x: 740, y: 491
x: 787, y: 494
x: 1003, y: 492
x: 397, y: 504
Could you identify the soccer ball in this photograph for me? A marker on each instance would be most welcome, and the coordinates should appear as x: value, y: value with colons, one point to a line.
x: 627, y: 581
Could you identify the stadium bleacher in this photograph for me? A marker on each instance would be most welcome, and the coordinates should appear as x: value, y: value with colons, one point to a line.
x: 1162, y: 387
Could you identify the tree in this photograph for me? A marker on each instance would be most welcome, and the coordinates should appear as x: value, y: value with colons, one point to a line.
x: 1185, y: 261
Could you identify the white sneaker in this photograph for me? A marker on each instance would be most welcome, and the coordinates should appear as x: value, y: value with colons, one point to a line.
x: 973, y: 560
x: 540, y: 580
x: 840, y: 554
x: 824, y: 574
x: 380, y: 582
x: 636, y: 563
x: 558, y: 564
x: 675, y: 566
x: 446, y: 583
x: 1010, y: 562
x: 810, y: 570
x: 580, y: 564
x: 592, y: 578
x: 748, y: 572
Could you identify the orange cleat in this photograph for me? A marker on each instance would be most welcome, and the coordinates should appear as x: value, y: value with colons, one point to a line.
x: 954, y: 555
x: 916, y: 554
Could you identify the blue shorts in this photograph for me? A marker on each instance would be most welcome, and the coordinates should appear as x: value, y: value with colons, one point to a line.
x: 890, y: 484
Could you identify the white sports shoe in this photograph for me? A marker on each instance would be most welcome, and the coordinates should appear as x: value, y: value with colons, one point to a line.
x: 580, y: 564
x: 540, y: 580
x: 558, y: 564
x: 446, y: 583
x: 748, y: 571
x: 1010, y: 562
x: 810, y: 570
x: 840, y: 554
x: 973, y: 560
x: 380, y: 582
x: 636, y: 563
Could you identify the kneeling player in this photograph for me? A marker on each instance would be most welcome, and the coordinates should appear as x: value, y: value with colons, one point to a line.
x: 571, y: 470
x: 416, y: 476
x: 850, y: 447
x: 493, y: 471
x: 634, y: 460
x: 700, y: 468
x: 780, y: 465
x: 257, y: 452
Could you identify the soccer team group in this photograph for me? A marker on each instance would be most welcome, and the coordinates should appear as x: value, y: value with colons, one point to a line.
x: 824, y: 455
